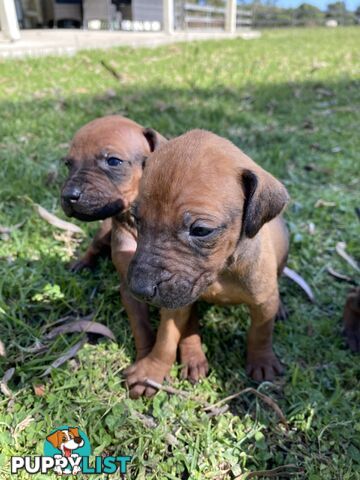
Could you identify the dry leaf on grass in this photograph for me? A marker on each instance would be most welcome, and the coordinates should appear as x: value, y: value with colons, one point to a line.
x: 8, y: 230
x: 295, y: 277
x: 339, y: 276
x: 341, y: 250
x: 56, y: 221
x: 64, y: 358
x: 2, y: 349
x: 39, y: 390
x: 324, y: 203
x: 66, y: 319
x: 5, y: 390
x: 22, y: 425
x: 86, y: 326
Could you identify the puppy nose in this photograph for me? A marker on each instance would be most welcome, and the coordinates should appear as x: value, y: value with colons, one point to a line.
x: 78, y: 440
x: 144, y: 290
x: 72, y: 194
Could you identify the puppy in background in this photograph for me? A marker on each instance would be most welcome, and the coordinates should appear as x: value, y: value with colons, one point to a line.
x: 106, y: 161
x: 351, y: 320
x: 210, y: 228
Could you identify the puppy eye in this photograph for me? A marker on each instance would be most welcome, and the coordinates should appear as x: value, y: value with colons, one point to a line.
x: 113, y: 161
x: 200, y: 231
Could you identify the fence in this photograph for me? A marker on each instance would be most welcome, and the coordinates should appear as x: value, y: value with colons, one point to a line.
x: 190, y: 16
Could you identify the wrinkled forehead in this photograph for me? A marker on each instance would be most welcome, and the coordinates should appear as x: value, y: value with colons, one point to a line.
x: 174, y: 183
x: 124, y: 140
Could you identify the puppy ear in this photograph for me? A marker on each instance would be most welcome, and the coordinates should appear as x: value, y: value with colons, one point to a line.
x: 74, y: 431
x: 54, y: 439
x: 154, y: 138
x: 265, y: 197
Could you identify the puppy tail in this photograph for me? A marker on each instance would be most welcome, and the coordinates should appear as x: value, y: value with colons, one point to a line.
x: 295, y: 277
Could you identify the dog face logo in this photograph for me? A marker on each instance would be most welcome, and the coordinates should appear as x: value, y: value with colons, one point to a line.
x: 66, y: 440
x: 67, y: 445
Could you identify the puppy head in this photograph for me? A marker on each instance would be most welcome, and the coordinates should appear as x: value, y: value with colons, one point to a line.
x: 105, y: 163
x: 200, y: 199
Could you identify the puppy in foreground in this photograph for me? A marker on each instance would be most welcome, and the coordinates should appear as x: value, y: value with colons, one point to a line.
x: 209, y: 228
x: 106, y: 161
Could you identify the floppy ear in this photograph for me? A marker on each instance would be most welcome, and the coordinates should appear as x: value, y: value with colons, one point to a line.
x: 265, y: 197
x: 74, y: 431
x: 54, y: 439
x: 154, y: 138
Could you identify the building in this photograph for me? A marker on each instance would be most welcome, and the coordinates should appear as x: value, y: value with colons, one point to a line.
x: 128, y: 15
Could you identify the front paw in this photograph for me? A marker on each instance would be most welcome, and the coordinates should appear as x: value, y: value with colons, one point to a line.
x: 138, y: 372
x: 82, y: 263
x: 195, y: 364
x: 263, y: 366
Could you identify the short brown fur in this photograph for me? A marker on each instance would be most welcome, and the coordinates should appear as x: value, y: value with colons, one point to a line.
x: 201, y: 182
x: 107, y: 193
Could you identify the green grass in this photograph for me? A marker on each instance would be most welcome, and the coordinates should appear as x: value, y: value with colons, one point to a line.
x: 291, y: 101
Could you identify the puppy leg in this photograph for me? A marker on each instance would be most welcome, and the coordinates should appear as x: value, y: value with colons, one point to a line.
x: 138, y: 313
x: 156, y: 365
x: 99, y: 247
x: 192, y: 356
x: 352, y: 320
x: 262, y: 363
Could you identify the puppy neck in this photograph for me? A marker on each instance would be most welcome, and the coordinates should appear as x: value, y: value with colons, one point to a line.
x: 126, y: 220
x: 246, y: 252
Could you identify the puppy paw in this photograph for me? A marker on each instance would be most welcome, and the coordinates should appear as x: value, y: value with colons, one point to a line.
x: 142, y: 369
x: 352, y: 338
x: 81, y: 264
x: 195, y: 364
x: 263, y: 367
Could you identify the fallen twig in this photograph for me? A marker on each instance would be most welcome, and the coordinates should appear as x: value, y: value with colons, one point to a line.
x: 275, y: 472
x: 182, y: 393
x: 218, y: 408
x: 265, y: 398
x: 111, y: 70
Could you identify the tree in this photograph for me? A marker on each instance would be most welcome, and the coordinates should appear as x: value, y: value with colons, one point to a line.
x: 307, y: 14
x: 337, y: 11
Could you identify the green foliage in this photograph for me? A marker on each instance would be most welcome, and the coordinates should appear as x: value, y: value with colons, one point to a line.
x: 290, y: 101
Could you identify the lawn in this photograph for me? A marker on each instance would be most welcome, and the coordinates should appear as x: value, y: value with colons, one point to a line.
x: 291, y: 101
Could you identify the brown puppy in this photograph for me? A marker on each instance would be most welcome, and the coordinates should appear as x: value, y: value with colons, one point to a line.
x: 106, y: 161
x: 209, y: 228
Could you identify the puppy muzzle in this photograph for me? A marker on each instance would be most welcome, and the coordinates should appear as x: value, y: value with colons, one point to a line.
x: 79, y: 204
x: 159, y: 287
